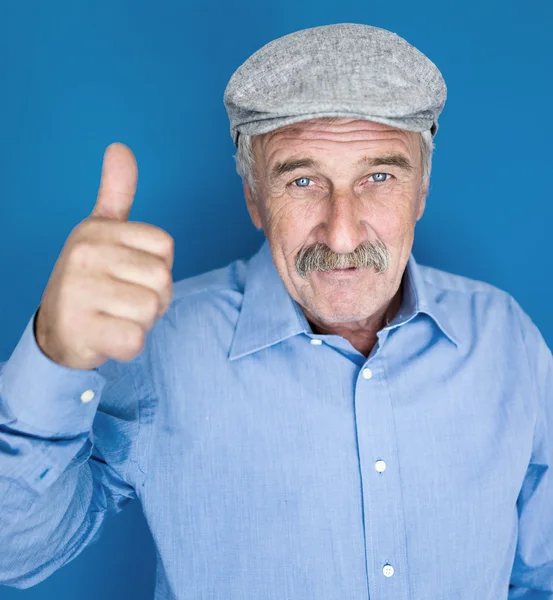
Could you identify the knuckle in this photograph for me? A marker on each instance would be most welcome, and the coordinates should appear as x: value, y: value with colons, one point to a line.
x: 163, y: 277
x: 130, y: 338
x: 151, y: 302
x: 135, y: 338
x: 169, y: 293
x: 170, y: 241
x: 166, y: 242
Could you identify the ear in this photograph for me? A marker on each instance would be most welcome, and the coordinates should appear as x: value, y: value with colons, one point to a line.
x: 422, y: 200
x: 251, y: 203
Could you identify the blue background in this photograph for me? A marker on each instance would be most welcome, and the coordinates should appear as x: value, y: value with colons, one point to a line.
x: 80, y: 74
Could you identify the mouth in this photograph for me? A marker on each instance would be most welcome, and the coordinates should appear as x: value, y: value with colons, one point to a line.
x: 339, y: 273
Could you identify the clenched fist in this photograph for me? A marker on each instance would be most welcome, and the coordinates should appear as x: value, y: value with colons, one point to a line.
x: 112, y: 280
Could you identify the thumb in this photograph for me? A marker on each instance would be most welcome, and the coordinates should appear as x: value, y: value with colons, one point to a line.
x: 118, y: 184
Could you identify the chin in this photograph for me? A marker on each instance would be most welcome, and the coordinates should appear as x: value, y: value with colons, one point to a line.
x: 339, y: 315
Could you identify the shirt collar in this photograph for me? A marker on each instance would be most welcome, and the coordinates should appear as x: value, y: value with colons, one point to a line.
x: 270, y: 315
x: 421, y: 297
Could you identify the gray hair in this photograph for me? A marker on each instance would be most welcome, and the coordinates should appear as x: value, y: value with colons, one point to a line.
x: 245, y: 159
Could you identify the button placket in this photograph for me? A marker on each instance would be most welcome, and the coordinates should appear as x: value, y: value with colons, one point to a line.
x: 380, y: 466
x: 381, y: 497
x: 366, y: 373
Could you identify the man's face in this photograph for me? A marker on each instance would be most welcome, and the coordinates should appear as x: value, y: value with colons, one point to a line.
x: 341, y: 184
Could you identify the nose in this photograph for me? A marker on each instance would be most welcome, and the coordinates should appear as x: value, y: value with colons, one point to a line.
x: 343, y: 225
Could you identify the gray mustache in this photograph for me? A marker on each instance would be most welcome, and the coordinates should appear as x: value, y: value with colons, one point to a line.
x: 319, y: 257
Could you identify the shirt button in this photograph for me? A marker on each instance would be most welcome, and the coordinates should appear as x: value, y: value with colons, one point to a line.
x: 388, y: 570
x: 316, y: 342
x: 87, y: 396
x: 380, y: 466
x: 367, y: 373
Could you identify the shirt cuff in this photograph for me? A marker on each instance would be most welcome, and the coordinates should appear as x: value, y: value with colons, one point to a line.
x: 50, y: 398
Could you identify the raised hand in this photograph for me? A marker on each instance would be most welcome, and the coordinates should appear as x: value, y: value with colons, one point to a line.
x: 112, y: 280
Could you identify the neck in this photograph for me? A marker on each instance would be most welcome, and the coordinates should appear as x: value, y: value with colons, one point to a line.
x: 362, y: 335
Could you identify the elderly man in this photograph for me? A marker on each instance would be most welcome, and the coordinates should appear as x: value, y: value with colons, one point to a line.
x: 328, y: 420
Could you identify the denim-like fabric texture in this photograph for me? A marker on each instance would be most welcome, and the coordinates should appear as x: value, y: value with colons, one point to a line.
x: 342, y: 70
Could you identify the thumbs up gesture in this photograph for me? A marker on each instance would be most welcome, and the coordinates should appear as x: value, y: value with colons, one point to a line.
x: 112, y: 279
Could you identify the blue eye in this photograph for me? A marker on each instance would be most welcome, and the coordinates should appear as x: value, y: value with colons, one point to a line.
x: 302, y: 182
x: 380, y: 177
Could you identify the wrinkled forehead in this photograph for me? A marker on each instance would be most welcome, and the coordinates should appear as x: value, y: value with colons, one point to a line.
x: 334, y: 135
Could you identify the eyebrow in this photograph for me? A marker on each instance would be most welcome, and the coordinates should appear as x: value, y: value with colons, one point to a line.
x: 393, y: 159
x: 287, y: 166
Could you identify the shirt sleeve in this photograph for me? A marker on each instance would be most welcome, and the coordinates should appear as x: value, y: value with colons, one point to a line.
x: 532, y: 574
x: 65, y: 457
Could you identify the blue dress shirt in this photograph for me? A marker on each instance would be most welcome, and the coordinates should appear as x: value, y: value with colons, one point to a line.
x: 273, y: 463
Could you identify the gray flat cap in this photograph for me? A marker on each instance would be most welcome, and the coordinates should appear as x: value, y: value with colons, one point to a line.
x: 343, y: 70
